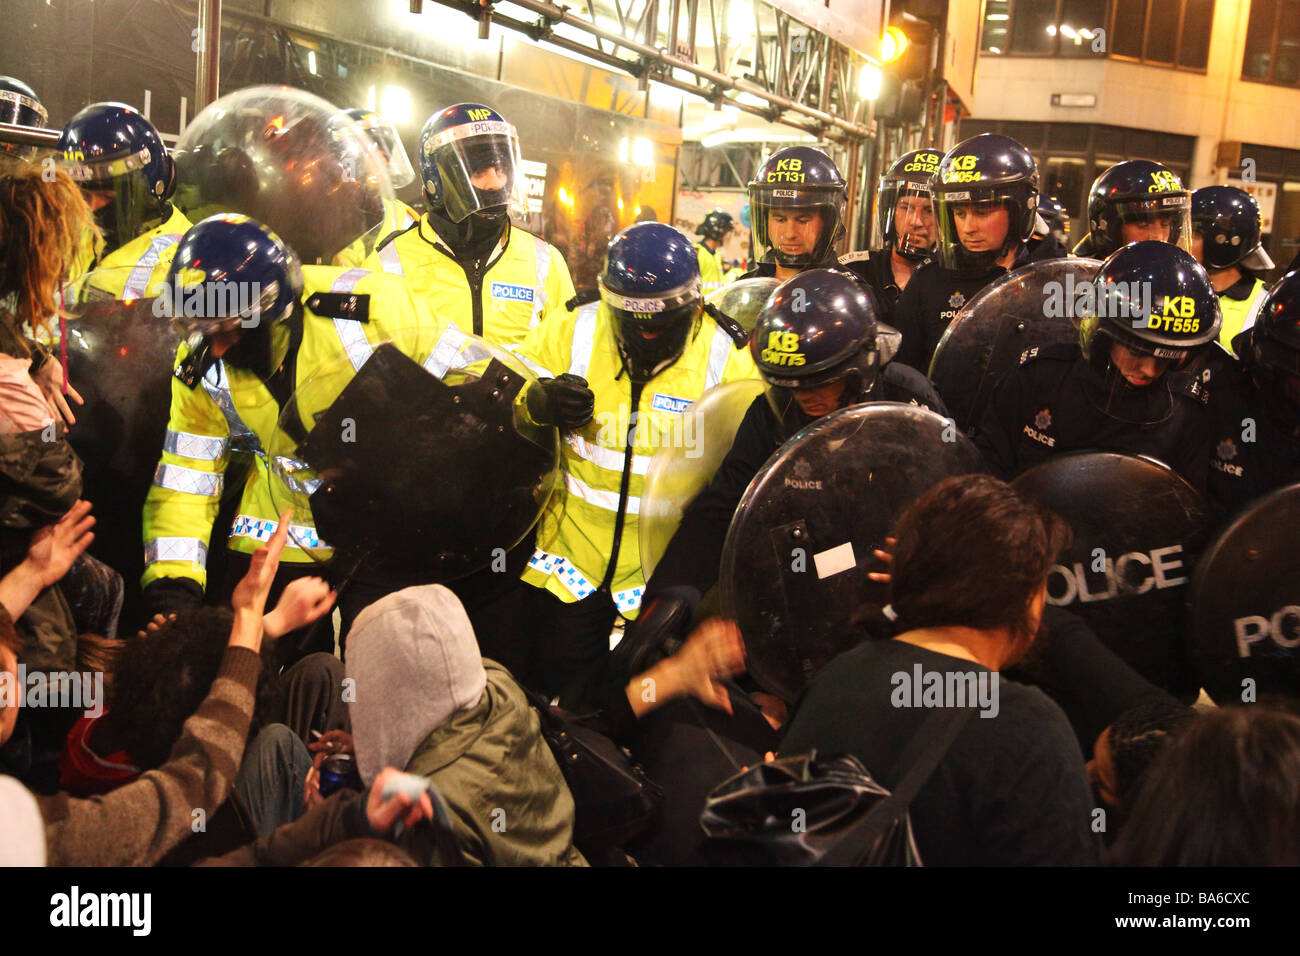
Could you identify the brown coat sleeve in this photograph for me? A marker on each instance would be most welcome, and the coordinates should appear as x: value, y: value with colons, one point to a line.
x: 137, y: 824
x: 342, y: 816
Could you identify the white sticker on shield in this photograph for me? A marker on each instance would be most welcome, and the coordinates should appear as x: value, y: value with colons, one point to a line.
x: 835, y: 560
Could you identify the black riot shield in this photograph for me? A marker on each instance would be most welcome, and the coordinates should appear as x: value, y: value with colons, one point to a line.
x: 1245, y: 604
x: 797, y: 554
x: 428, y: 472
x: 1138, y: 528
x: 1034, y: 305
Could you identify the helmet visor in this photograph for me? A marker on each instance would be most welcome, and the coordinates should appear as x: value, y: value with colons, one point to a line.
x: 793, y: 228
x: 1164, y: 218
x: 974, y: 229
x: 909, y: 220
x: 18, y: 109
x: 384, y: 135
x: 480, y: 168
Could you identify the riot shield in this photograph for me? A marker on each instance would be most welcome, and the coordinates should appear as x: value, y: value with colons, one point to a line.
x: 1138, y: 527
x: 290, y: 160
x: 1036, y: 304
x: 744, y: 299
x: 1245, y: 604
x: 797, y: 554
x: 423, y: 464
x: 680, y: 471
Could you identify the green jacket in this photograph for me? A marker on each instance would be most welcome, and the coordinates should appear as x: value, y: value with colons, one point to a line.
x: 509, y: 803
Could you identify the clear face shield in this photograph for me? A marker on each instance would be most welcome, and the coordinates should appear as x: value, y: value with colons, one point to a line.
x: 793, y: 228
x: 384, y: 135
x: 480, y: 168
x: 910, y: 220
x: 118, y: 196
x: 1165, y: 218
x: 974, y: 230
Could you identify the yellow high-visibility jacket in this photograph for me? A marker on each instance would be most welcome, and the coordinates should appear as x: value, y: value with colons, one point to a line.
x: 525, y: 281
x: 576, y: 536
x: 229, y: 409
x: 711, y: 275
x: 1236, y: 311
x: 398, y: 217
x: 135, y: 270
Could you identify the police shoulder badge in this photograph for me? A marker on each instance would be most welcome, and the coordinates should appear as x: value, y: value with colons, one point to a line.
x: 956, y: 300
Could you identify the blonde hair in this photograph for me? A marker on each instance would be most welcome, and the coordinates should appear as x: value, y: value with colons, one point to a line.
x: 44, y: 221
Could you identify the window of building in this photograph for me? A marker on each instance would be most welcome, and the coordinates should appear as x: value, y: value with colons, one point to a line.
x: 1273, y: 43
x: 1173, y: 33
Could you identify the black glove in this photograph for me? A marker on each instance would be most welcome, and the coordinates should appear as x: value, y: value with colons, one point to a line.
x: 657, y: 632
x: 565, y: 402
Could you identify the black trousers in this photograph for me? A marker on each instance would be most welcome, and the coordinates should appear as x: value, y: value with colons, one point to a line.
x: 554, y: 648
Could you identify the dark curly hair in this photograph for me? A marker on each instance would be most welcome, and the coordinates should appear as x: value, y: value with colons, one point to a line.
x: 161, y: 679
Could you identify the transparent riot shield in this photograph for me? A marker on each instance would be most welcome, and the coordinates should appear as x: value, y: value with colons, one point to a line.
x: 680, y: 471
x: 1036, y: 304
x: 1245, y: 603
x: 744, y: 299
x: 799, y: 549
x: 291, y: 160
x: 421, y: 461
x: 1138, y: 528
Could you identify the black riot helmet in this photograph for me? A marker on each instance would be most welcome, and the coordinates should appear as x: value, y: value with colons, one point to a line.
x: 652, y: 289
x: 1272, y: 343
x: 1154, y: 299
x: 1227, y: 220
x: 795, y: 181
x: 977, y: 177
x: 817, y: 328
x: 908, y: 181
x: 715, y: 225
x: 20, y: 106
x: 1140, y: 194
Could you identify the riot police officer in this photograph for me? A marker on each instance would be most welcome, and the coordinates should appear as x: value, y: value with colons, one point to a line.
x: 905, y: 214
x: 235, y: 375
x: 1256, y: 446
x: 464, y: 258
x: 20, y: 106
x: 1226, y: 239
x: 715, y: 227
x: 985, y: 197
x: 128, y: 177
x: 398, y: 216
x: 816, y: 349
x: 796, y: 207
x: 1135, y: 200
x: 647, y: 350
x: 1051, y: 240
x: 1127, y: 386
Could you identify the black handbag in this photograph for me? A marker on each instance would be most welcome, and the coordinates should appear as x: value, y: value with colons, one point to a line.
x: 613, y: 798
x: 809, y: 810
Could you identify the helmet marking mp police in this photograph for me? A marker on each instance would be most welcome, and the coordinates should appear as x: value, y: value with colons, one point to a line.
x: 470, y: 162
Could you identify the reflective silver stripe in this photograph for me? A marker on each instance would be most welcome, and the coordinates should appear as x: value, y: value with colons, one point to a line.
x: 352, y: 334
x: 391, y: 260
x: 542, y: 251
x: 218, y: 389
x: 606, y: 457
x: 533, y: 366
x: 137, y: 282
x: 189, y: 445
x: 601, y: 499
x: 189, y: 481
x: 577, y: 584
x: 584, y: 340
x: 445, y: 352
x: 721, y: 349
x: 176, y: 549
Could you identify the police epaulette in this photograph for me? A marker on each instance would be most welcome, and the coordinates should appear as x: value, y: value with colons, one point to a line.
x: 1191, y: 386
x: 863, y: 255
x: 1055, y: 350
x: 341, y: 305
x: 192, y: 368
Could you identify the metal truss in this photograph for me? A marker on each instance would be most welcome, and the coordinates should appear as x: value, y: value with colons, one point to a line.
x: 782, y: 70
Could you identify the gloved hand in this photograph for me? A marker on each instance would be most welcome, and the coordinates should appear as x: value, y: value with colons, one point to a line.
x: 565, y: 402
x: 657, y: 632
x: 165, y: 595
